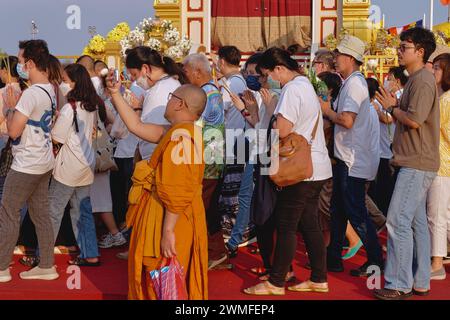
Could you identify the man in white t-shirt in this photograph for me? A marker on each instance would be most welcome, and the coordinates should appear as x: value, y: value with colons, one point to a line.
x: 29, y: 121
x: 354, y: 156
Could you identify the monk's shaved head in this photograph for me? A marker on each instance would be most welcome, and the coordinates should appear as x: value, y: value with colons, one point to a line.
x: 194, y: 97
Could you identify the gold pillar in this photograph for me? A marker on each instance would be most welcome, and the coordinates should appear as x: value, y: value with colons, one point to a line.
x: 356, y: 19
x: 169, y: 10
x: 112, y: 55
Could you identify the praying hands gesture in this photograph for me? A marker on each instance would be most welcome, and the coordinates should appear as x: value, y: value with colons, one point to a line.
x: 11, y: 97
x: 385, y: 98
x: 266, y: 96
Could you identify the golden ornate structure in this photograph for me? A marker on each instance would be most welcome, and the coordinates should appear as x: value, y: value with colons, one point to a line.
x: 169, y: 10
x: 355, y: 19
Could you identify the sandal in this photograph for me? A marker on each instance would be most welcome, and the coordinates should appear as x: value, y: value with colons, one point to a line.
x: 264, y: 289
x: 290, y: 277
x: 29, y: 261
x: 421, y: 293
x: 83, y: 263
x: 389, y: 294
x: 309, y: 286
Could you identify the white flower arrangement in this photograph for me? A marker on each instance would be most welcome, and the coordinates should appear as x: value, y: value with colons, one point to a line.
x: 171, y: 36
x: 174, y: 52
x: 372, y: 63
x: 171, y: 44
x: 167, y: 25
x: 185, y: 44
x: 146, y: 25
x: 154, y: 44
x: 136, y: 37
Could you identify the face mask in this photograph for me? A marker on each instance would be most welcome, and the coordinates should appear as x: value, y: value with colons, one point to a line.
x: 23, y: 74
x: 143, y: 83
x: 65, y: 88
x: 387, y: 84
x: 253, y: 83
x: 274, y: 85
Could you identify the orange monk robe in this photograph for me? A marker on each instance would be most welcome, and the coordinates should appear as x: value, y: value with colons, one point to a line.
x: 162, y: 183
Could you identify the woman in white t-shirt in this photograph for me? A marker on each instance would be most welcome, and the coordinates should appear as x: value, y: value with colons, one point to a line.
x: 298, y: 111
x: 159, y: 76
x: 75, y: 162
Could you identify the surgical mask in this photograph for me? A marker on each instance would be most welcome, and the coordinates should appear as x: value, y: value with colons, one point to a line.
x: 253, y: 82
x: 22, y: 73
x: 65, y: 88
x: 387, y: 84
x: 143, y: 83
x: 274, y: 85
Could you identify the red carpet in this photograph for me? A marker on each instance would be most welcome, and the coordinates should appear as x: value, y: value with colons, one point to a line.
x: 110, y: 281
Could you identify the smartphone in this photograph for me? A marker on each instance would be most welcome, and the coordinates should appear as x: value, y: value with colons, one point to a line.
x: 116, y: 76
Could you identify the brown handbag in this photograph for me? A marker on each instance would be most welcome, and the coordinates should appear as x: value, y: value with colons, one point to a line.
x: 294, y: 159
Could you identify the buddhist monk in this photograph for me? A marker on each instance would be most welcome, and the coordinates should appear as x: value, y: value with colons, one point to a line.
x: 166, y: 209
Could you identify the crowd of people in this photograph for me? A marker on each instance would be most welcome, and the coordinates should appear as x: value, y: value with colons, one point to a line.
x: 171, y: 158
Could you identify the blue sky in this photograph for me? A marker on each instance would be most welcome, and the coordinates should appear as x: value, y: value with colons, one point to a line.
x: 51, y: 16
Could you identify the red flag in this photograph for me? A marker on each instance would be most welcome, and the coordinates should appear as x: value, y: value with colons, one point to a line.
x: 392, y: 31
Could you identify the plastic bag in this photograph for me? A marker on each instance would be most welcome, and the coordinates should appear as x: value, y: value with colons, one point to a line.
x: 169, y: 281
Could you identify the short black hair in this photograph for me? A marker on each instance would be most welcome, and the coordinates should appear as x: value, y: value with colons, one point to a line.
x: 85, y: 57
x: 333, y: 82
x: 399, y: 74
x: 422, y: 39
x: 373, y: 86
x: 231, y: 55
x: 37, y: 51
x: 277, y: 57
x: 254, y: 59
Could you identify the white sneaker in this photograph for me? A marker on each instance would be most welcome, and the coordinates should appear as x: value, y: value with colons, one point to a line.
x: 38, y: 273
x: 5, y: 275
x: 110, y: 241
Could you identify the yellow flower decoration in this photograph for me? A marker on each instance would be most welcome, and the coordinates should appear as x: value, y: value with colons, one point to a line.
x: 119, y: 32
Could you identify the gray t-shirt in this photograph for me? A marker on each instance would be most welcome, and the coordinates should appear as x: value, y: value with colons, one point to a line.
x: 419, y: 148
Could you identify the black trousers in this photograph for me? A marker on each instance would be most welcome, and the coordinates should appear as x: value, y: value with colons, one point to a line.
x: 297, y: 207
x: 382, y: 188
x: 120, y: 187
x: 265, y: 236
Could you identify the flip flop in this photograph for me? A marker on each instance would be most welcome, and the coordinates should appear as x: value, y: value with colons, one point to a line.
x: 83, y: 263
x: 352, y: 251
x: 264, y: 289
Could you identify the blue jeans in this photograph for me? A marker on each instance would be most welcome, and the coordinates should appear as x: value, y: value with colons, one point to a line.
x: 243, y: 215
x: 80, y: 214
x: 408, y: 246
x: 348, y: 204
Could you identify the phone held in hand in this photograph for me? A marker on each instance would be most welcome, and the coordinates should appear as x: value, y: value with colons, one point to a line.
x: 116, y: 76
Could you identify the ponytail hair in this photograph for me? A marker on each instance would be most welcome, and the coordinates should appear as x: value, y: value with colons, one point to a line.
x: 139, y: 56
x: 54, y: 71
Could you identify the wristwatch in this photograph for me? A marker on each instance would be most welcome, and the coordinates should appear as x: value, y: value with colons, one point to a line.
x: 9, y: 110
x: 390, y: 110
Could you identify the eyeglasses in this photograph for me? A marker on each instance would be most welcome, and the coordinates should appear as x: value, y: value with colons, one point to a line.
x: 404, y: 47
x: 172, y: 95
